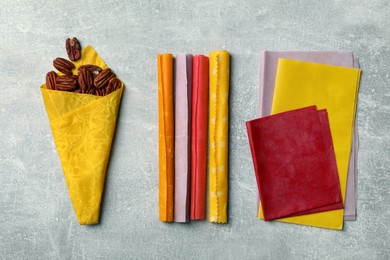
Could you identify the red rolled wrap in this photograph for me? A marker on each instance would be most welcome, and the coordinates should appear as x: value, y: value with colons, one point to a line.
x: 200, y: 95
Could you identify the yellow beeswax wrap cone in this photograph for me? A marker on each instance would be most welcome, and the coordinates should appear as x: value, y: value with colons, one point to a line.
x: 218, y: 135
x: 83, y: 126
x: 301, y: 84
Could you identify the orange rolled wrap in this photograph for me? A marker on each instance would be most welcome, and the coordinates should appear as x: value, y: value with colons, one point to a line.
x: 166, y: 136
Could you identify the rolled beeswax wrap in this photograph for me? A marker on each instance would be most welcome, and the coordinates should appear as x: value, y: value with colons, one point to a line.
x: 183, y: 82
x: 200, y: 104
x: 294, y: 165
x: 218, y: 135
x: 83, y: 126
x: 299, y: 84
x: 166, y: 136
x: 269, y: 63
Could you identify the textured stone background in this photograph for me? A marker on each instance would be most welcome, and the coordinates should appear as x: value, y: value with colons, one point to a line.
x: 36, y: 216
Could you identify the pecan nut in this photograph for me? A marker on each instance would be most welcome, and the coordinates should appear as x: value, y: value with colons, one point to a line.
x: 103, y: 78
x: 63, y: 66
x: 51, y: 80
x: 92, y: 91
x: 113, y: 85
x: 73, y: 49
x: 108, y: 89
x: 98, y: 92
x: 85, y: 80
x: 66, y: 83
x: 95, y: 70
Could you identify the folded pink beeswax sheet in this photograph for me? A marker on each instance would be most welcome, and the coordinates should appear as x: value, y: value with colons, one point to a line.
x: 269, y: 64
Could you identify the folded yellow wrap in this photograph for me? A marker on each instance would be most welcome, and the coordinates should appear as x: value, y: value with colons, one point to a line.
x: 218, y: 135
x: 166, y: 137
x: 301, y: 84
x: 83, y: 126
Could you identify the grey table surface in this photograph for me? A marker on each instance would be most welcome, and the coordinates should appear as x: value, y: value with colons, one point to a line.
x: 37, y: 220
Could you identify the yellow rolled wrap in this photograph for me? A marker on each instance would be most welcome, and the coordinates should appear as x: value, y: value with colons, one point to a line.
x: 218, y: 135
x: 83, y: 127
x: 300, y: 84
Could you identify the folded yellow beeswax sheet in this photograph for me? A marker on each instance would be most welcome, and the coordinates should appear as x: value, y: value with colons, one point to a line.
x: 299, y: 84
x: 83, y: 126
x: 218, y: 135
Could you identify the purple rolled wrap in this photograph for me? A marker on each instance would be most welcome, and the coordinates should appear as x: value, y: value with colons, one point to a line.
x: 183, y: 89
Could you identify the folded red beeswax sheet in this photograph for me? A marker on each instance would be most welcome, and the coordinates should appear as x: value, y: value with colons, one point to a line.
x: 269, y: 63
x: 294, y: 166
x: 183, y: 82
x: 200, y: 100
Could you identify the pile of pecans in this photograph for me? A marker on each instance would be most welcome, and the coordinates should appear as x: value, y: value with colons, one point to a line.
x: 90, y: 79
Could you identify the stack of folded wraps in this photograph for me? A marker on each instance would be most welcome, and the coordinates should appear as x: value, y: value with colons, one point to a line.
x: 304, y: 145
